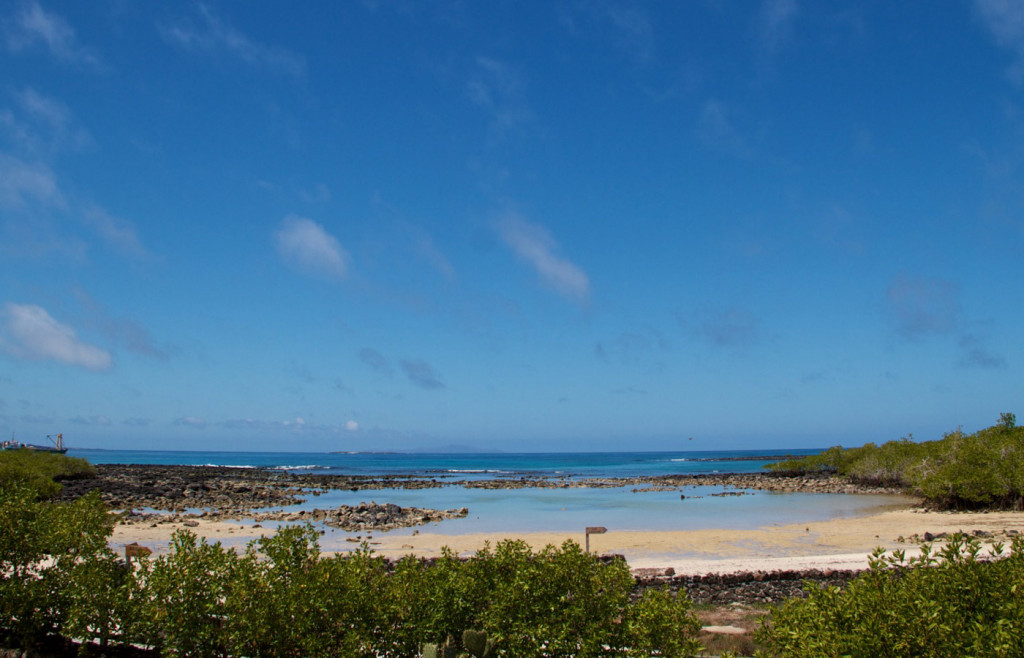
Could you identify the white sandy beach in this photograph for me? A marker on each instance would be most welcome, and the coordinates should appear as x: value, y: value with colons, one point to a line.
x: 834, y: 544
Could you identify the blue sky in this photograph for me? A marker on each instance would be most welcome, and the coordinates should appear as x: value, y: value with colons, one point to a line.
x: 568, y: 225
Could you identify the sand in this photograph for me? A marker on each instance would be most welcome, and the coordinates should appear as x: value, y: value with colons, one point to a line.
x: 835, y: 544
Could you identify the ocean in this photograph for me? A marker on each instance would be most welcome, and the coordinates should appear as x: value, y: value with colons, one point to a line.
x: 514, y: 511
x: 462, y: 465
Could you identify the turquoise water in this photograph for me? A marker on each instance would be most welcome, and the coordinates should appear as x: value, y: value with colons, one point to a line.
x: 461, y: 465
x: 543, y: 509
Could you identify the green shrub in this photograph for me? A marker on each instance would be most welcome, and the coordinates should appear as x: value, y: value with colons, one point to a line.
x: 284, y: 600
x: 43, y: 545
x: 662, y: 624
x: 959, y: 471
x: 951, y: 603
x: 41, y: 471
x: 183, y: 597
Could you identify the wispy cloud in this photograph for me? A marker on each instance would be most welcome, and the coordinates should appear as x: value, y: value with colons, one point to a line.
x: 375, y: 360
x: 408, y: 236
x: 632, y: 345
x: 94, y: 421
x: 34, y: 26
x: 307, y: 245
x: 42, y: 125
x: 213, y: 36
x: 117, y: 233
x: 533, y: 244
x: 427, y: 251
x: 122, y: 332
x: 730, y: 327
x: 1005, y: 20
x: 627, y: 25
x: 977, y: 355
x: 293, y: 426
x: 921, y: 306
x: 498, y: 88
x: 421, y: 373
x: 190, y: 421
x: 22, y: 183
x: 296, y: 424
x: 29, y: 332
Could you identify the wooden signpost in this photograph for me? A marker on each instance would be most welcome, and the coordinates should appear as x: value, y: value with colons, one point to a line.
x: 594, y: 530
x: 134, y: 550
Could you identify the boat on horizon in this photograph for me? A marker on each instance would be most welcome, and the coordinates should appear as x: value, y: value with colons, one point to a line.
x: 57, y: 447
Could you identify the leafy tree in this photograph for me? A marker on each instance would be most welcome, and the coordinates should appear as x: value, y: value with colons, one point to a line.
x: 43, y: 545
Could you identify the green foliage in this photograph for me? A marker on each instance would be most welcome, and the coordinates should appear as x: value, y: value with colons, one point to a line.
x: 559, y: 601
x: 102, y: 601
x: 285, y: 600
x: 43, y: 547
x: 280, y: 597
x: 41, y: 471
x: 959, y: 471
x: 950, y: 603
x: 183, y: 597
x: 664, y: 623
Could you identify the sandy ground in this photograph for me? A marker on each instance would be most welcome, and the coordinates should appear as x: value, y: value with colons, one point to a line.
x: 836, y: 544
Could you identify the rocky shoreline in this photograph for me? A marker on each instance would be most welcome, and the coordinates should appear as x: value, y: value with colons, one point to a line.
x: 226, y: 493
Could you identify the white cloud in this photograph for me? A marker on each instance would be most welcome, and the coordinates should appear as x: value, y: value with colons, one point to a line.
x: 190, y: 421
x: 533, y: 244
x: 306, y: 245
x: 29, y: 332
x: 119, y: 234
x: 351, y: 425
x: 1005, y: 19
x: 497, y: 88
x: 21, y: 182
x: 53, y: 127
x: 34, y: 25
x: 214, y: 36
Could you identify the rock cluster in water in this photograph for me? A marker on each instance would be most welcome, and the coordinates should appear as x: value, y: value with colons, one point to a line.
x: 365, y: 516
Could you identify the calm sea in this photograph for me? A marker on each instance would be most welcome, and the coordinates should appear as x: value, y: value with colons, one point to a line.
x: 540, y: 510
x: 463, y: 465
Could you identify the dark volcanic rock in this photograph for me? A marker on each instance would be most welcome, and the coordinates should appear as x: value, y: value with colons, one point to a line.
x: 745, y: 587
x: 365, y: 516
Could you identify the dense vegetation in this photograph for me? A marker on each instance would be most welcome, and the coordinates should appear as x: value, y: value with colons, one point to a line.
x: 41, y: 471
x: 280, y: 597
x: 959, y: 471
x: 954, y: 603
